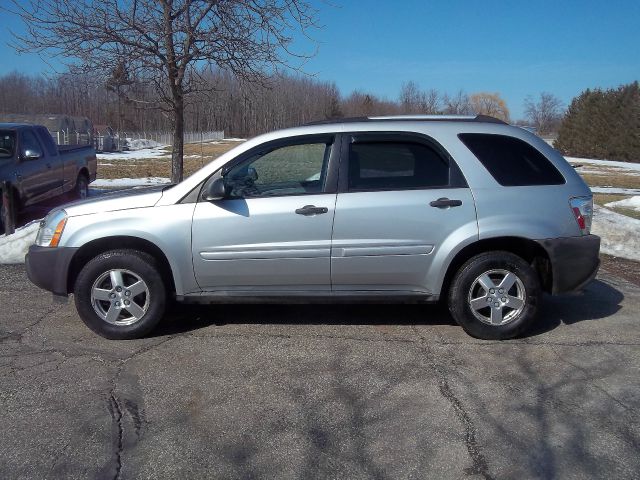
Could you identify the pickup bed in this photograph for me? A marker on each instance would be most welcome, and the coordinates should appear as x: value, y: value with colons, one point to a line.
x: 37, y: 169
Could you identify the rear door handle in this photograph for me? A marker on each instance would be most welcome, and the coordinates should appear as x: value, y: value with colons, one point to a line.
x: 308, y: 210
x: 445, y: 203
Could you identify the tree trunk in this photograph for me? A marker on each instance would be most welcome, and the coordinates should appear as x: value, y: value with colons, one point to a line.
x: 178, y: 143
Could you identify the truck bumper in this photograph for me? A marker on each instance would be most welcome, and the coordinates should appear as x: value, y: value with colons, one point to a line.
x: 574, y: 261
x: 48, y: 268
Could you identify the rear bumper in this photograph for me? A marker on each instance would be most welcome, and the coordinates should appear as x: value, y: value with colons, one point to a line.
x: 48, y: 268
x: 574, y: 261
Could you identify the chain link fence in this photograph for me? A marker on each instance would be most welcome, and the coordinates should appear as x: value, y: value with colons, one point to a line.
x: 132, y: 140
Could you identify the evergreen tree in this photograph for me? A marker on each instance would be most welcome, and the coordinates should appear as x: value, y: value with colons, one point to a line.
x: 603, y: 124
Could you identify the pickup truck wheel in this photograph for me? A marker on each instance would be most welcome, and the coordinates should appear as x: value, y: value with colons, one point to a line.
x: 120, y: 294
x: 82, y: 186
x: 495, y: 296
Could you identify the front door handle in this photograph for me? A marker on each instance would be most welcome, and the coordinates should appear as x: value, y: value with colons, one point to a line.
x: 308, y: 210
x: 445, y: 203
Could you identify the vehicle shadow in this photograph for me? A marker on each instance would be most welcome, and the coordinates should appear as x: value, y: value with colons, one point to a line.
x: 599, y: 300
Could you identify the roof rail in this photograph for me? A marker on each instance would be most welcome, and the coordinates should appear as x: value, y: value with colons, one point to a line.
x: 412, y: 118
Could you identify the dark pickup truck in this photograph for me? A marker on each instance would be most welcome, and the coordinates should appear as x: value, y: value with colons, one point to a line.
x: 37, y: 169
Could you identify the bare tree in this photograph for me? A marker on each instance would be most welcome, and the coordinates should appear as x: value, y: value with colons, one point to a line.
x: 166, y: 43
x: 545, y: 114
x: 414, y: 100
x: 459, y: 104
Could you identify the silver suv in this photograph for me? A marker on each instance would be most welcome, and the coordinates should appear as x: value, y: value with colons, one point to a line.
x: 467, y: 209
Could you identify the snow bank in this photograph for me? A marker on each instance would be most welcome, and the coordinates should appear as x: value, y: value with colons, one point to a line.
x: 141, y: 143
x: 128, y: 182
x: 142, y: 154
x: 632, y: 203
x: 14, y: 247
x: 616, y: 190
x: 619, y: 233
x: 605, y: 163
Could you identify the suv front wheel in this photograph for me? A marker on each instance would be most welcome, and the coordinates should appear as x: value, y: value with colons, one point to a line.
x: 120, y: 294
x: 495, y: 296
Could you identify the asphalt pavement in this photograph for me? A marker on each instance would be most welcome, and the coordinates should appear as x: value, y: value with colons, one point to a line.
x: 321, y: 391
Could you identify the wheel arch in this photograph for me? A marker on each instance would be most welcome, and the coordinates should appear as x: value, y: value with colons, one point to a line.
x: 95, y: 247
x: 529, y: 250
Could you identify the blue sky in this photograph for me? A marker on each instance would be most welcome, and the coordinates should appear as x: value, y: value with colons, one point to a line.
x: 513, y: 47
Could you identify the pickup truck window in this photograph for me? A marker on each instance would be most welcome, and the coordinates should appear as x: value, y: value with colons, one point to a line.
x: 47, y: 141
x: 7, y: 143
x: 28, y: 141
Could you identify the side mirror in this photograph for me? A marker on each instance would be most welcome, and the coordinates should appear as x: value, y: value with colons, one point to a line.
x: 31, y: 154
x: 215, y: 190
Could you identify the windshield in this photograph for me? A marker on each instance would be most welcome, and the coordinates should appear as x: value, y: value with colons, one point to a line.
x: 7, y: 143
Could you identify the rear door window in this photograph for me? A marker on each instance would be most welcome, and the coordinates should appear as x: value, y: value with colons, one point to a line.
x: 511, y: 161
x: 396, y: 165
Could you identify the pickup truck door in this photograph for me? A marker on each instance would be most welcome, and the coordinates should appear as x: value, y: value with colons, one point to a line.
x: 402, y: 201
x: 273, y: 232
x: 38, y: 176
x: 59, y: 167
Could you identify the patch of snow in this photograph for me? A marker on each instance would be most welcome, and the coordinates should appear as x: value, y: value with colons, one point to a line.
x: 235, y: 139
x: 141, y: 143
x: 632, y: 203
x: 14, y: 247
x: 605, y: 163
x: 143, y: 154
x: 619, y: 233
x: 128, y: 182
x: 616, y: 190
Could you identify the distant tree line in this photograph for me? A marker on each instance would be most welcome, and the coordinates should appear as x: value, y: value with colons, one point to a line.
x: 226, y: 102
x: 603, y: 124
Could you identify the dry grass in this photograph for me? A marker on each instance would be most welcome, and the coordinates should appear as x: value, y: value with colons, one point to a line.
x: 618, y: 180
x: 602, y: 198
x: 161, y: 167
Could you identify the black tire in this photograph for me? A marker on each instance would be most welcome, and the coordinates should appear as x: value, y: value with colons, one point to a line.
x: 132, y: 266
x: 467, y: 288
x: 82, y: 186
x: 2, y: 216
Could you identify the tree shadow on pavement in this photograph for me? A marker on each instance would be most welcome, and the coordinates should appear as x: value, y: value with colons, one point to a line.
x: 599, y: 300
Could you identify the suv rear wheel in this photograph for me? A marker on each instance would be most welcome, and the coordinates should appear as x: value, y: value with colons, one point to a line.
x: 120, y: 294
x: 495, y: 296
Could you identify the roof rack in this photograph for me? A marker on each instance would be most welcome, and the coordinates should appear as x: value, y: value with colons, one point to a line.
x: 412, y: 118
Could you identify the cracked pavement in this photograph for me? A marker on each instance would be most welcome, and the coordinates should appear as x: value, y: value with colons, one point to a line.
x: 321, y: 391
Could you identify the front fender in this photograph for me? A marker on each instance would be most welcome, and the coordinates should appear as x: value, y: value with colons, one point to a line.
x: 167, y: 227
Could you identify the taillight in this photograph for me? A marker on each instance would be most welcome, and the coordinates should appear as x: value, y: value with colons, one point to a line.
x: 582, y: 208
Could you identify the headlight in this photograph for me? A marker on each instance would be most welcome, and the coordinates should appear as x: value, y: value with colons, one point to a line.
x: 51, y: 229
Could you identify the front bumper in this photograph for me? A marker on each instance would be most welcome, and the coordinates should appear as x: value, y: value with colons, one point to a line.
x: 574, y: 261
x: 48, y: 268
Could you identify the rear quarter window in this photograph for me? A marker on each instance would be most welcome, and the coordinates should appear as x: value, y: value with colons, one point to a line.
x: 511, y: 161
